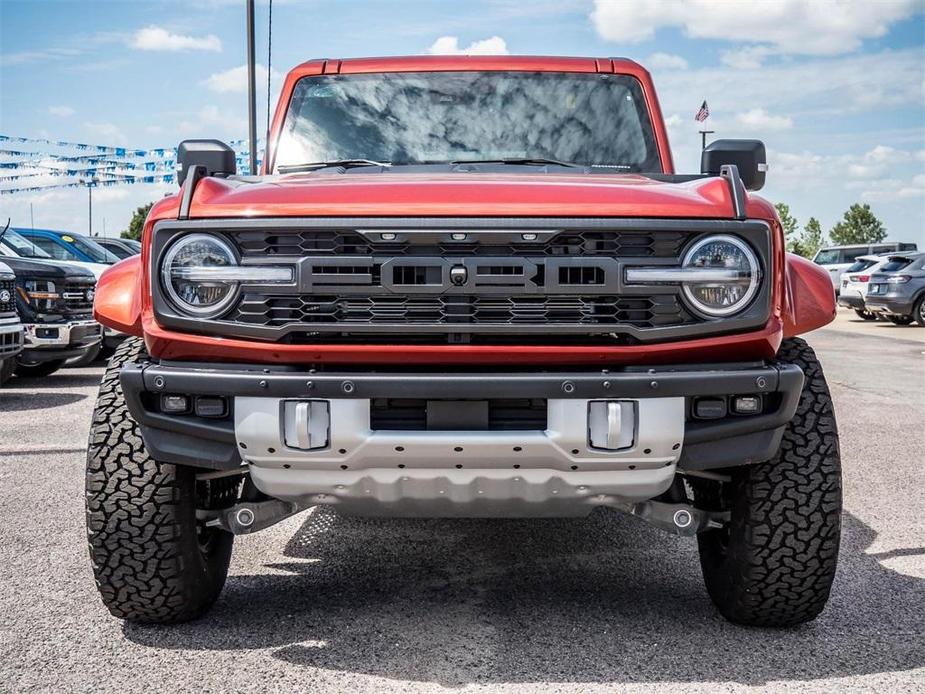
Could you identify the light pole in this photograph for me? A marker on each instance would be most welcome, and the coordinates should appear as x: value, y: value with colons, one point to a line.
x: 251, y: 90
x: 90, y: 183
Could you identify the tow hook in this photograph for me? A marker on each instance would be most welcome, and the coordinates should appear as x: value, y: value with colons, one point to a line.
x: 249, y: 517
x: 678, y: 519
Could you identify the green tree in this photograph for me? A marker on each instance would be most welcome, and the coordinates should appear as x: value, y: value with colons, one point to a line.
x: 813, y: 238
x: 859, y: 225
x: 137, y: 225
x: 789, y: 224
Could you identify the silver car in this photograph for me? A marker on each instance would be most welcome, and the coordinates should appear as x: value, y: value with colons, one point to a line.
x: 897, y: 290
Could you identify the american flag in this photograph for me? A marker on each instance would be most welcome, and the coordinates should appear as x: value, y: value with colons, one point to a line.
x: 703, y: 113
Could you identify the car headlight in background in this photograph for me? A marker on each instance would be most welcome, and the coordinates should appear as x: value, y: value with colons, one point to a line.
x: 719, y: 275
x: 729, y: 279
x: 201, y: 275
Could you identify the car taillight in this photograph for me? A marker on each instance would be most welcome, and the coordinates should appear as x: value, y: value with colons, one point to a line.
x: 862, y: 278
x: 898, y: 279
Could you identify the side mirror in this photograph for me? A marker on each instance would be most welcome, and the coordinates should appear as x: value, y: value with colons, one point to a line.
x: 216, y: 157
x: 748, y: 155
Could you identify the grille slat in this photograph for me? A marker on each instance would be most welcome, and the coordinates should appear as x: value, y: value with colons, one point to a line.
x: 642, y: 312
x: 633, y: 244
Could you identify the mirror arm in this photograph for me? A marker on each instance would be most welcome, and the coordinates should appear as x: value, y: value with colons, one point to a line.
x: 736, y: 188
x: 193, y: 176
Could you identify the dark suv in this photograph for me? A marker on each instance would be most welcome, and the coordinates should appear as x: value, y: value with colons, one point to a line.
x: 55, y: 303
x: 897, y: 290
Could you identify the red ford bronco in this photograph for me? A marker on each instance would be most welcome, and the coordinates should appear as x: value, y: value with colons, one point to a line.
x: 465, y: 286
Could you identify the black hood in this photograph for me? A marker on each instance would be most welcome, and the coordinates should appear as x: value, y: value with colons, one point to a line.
x: 46, y: 269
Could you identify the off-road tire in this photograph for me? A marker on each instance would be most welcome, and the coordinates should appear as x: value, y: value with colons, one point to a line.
x: 39, y: 369
x: 919, y: 311
x: 900, y: 320
x: 773, y: 564
x: 864, y: 314
x: 153, y: 562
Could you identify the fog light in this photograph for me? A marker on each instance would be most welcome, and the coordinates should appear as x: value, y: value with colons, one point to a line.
x: 746, y: 404
x: 709, y: 408
x: 210, y: 407
x: 174, y: 404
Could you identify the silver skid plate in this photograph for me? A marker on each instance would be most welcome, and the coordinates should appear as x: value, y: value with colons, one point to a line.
x: 555, y: 472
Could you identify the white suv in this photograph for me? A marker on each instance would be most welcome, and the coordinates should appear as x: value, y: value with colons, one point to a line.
x: 837, y: 259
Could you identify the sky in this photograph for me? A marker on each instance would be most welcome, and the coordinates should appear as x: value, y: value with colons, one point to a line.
x: 835, y: 88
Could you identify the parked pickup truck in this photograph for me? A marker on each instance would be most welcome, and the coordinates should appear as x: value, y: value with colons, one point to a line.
x: 10, y: 325
x: 55, y: 303
x: 465, y: 286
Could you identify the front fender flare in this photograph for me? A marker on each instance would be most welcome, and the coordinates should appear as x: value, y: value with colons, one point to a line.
x: 117, y: 304
x: 809, y: 298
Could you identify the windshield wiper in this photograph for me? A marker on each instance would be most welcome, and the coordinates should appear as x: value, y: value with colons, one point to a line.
x: 524, y: 161
x: 334, y: 163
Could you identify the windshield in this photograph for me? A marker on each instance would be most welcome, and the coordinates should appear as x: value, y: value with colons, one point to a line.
x: 827, y: 257
x: 22, y: 246
x: 91, y: 248
x: 116, y: 249
x: 439, y: 117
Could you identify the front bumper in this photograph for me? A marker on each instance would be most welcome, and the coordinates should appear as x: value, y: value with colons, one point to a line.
x: 49, y: 341
x: 553, y: 470
x: 11, y: 337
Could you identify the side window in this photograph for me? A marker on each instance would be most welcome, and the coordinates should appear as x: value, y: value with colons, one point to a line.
x: 53, y: 249
x: 849, y: 256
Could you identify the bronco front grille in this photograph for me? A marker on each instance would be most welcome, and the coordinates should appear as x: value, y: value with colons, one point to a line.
x: 459, y: 280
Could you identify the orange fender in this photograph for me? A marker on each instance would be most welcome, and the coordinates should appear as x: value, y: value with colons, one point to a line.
x: 809, y: 298
x: 118, y: 297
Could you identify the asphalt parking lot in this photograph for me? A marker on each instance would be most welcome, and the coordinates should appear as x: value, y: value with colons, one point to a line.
x: 322, y: 603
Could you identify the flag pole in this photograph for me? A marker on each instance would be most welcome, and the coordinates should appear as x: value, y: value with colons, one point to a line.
x: 703, y: 137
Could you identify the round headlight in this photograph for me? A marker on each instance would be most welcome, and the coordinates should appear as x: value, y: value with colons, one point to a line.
x: 188, y: 287
x: 730, y: 277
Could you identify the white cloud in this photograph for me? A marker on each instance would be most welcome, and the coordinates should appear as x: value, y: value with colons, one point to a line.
x: 155, y: 38
x: 108, y: 194
x: 811, y: 91
x: 61, y: 111
x: 23, y: 57
x: 893, y: 189
x: 666, y: 61
x: 109, y: 132
x: 875, y: 173
x: 210, y: 121
x: 234, y: 80
x: 449, y: 45
x: 748, y: 58
x: 789, y: 26
x: 759, y: 119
